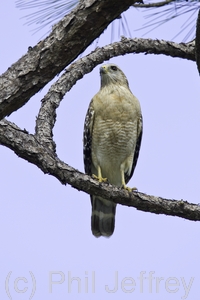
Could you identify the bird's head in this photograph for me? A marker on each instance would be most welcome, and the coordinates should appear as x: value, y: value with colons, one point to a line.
x: 112, y: 74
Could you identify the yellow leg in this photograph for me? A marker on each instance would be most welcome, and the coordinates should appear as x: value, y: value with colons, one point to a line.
x: 99, y: 177
x: 124, y: 184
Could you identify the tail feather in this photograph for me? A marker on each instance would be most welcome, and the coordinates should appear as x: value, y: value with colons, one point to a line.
x: 103, y: 217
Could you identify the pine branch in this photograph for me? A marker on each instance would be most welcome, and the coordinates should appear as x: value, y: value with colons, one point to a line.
x: 41, y: 64
x: 14, y: 91
x: 165, y: 11
x: 47, y: 114
x: 28, y: 147
x: 156, y: 4
x: 70, y: 37
x: 39, y: 149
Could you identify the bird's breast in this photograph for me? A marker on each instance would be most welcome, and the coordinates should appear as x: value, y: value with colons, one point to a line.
x: 115, y: 130
x: 113, y: 139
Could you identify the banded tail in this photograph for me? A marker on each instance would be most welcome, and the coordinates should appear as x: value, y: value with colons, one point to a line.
x: 103, y: 217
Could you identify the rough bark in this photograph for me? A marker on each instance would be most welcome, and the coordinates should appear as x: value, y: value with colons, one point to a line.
x: 28, y: 147
x: 26, y: 77
x: 42, y: 63
x: 70, y: 37
x: 47, y: 114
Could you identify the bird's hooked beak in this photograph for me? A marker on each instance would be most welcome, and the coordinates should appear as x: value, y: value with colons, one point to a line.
x: 103, y: 70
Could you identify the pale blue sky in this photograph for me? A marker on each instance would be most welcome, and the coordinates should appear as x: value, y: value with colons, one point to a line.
x: 45, y: 227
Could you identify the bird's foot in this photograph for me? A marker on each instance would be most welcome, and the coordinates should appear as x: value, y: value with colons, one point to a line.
x: 129, y: 189
x: 99, y: 178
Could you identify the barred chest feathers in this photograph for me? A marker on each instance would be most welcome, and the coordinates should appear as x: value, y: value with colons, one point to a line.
x: 114, y: 131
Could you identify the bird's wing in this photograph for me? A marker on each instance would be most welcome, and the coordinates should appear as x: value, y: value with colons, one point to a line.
x: 87, y: 139
x: 136, y: 150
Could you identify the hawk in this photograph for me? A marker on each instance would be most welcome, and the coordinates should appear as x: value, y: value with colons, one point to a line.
x: 112, y: 138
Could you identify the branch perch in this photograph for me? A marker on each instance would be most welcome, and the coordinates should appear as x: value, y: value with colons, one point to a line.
x: 42, y: 63
x: 28, y: 147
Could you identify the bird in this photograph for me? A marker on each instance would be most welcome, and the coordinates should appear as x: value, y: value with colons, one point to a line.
x: 111, y: 142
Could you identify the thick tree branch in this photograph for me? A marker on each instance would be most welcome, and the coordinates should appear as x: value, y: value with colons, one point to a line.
x: 21, y: 85
x: 28, y: 147
x: 70, y: 37
x: 40, y: 149
x: 47, y: 114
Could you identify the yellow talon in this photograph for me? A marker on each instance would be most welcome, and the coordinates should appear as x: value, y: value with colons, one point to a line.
x: 134, y: 189
x: 99, y: 177
x: 124, y: 184
x: 129, y: 189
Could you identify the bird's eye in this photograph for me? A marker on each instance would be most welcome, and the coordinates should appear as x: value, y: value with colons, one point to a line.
x: 114, y: 68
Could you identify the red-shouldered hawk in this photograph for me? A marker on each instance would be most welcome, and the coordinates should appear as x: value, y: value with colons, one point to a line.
x: 112, y: 138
